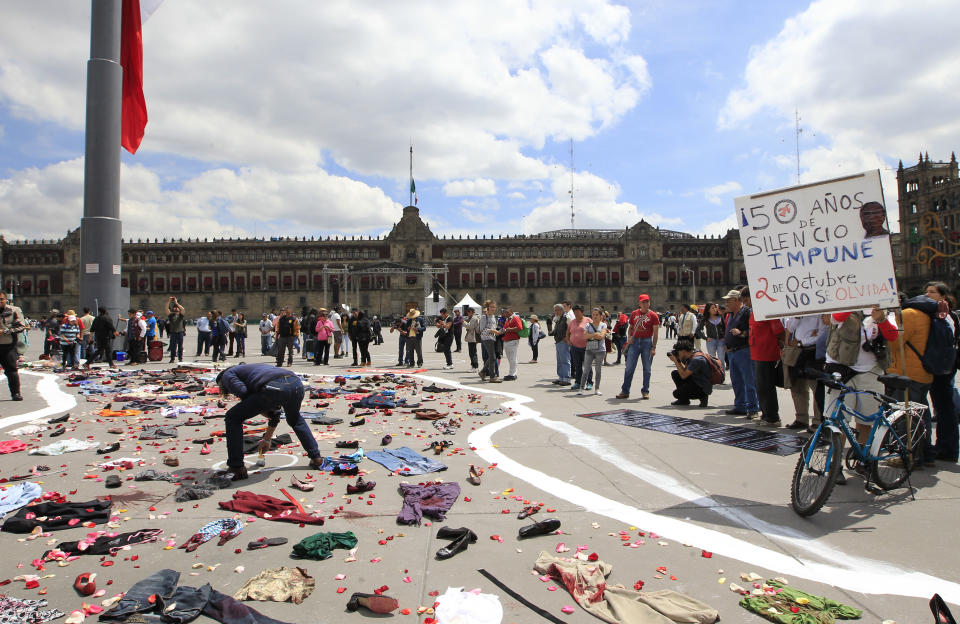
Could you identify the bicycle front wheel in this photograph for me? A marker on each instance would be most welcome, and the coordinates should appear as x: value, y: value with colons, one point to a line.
x: 900, y: 456
x: 813, y: 480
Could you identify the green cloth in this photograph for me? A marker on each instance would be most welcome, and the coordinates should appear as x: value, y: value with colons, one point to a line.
x: 818, y: 610
x: 321, y: 545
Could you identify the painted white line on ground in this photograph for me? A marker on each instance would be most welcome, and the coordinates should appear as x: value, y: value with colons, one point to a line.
x: 844, y: 570
x: 48, y: 388
x: 222, y: 465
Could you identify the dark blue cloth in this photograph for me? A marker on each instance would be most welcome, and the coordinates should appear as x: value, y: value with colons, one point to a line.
x: 246, y: 378
x: 741, y: 321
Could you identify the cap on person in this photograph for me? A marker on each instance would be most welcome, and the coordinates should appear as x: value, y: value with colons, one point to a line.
x: 733, y: 294
x: 55, y: 311
x: 643, y: 297
x: 150, y: 312
x: 693, y: 307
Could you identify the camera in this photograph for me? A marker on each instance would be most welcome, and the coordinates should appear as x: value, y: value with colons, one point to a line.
x: 876, y: 346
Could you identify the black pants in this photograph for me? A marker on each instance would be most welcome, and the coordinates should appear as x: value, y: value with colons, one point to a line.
x: 285, y: 343
x: 941, y: 397
x: 364, y: 350
x: 105, y: 349
x: 576, y: 363
x: 765, y: 380
x: 322, y: 354
x: 414, y: 349
x: 686, y: 388
x: 472, y: 350
x: 232, y: 338
x: 458, y: 336
x: 137, y: 354
x: 353, y: 347
x: 8, y: 359
x: 535, y: 348
x: 219, y: 345
x: 445, y: 344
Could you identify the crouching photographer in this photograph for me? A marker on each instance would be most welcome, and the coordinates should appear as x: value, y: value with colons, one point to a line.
x: 692, y: 377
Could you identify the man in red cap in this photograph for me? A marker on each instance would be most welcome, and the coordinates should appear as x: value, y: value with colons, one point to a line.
x: 642, y: 334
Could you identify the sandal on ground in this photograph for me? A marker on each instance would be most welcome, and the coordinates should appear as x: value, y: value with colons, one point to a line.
x: 473, y: 475
x: 263, y: 542
x: 527, y: 512
x: 300, y: 485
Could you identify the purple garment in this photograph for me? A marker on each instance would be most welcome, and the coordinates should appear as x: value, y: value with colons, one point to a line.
x: 430, y: 500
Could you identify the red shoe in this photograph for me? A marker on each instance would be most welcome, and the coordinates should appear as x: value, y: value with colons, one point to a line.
x: 85, y: 585
x: 205, y: 450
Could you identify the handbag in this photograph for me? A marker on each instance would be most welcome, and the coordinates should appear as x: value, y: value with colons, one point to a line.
x: 22, y: 343
x: 790, y: 354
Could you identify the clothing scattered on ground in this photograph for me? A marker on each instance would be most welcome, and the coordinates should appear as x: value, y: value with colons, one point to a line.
x: 25, y: 611
x: 70, y: 445
x: 432, y: 500
x: 16, y: 496
x: 278, y: 584
x: 405, y: 461
x: 55, y: 516
x: 321, y: 545
x: 268, y: 508
x: 793, y: 606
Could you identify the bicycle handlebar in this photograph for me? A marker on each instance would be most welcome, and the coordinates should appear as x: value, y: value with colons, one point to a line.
x: 884, y: 399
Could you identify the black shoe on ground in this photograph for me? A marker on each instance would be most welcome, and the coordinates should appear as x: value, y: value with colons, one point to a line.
x: 460, y: 543
x: 841, y: 478
x: 735, y: 412
x: 237, y: 473
x: 680, y: 402
x: 109, y: 449
x: 58, y: 432
x: 16, y: 397
x: 703, y: 402
x: 113, y: 481
x: 510, y: 378
x: 795, y: 425
x: 59, y: 419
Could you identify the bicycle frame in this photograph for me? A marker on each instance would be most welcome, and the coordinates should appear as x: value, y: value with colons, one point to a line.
x: 838, y: 423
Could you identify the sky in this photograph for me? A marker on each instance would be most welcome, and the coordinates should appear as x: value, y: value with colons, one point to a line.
x: 294, y: 118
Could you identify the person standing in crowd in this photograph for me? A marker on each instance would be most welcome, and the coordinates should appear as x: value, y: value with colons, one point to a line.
x: 176, y: 328
x: 345, y: 317
x: 850, y: 353
x: 377, y: 330
x: 642, y: 336
x: 263, y: 390
x: 308, y: 328
x: 104, y: 332
x: 765, y: 338
x: 362, y: 338
x: 415, y: 333
x: 50, y: 332
x: 86, y: 338
x: 337, y: 332
x: 621, y: 321
x: 151, y: 322
x: 444, y: 325
x: 458, y: 328
x: 687, y: 323
x: 70, y: 341
x: 471, y: 326
x: 578, y: 346
x: 735, y: 339
x: 203, y: 335
x: 266, y: 334
x: 692, y: 374
x: 595, y: 334
x: 12, y: 325
x: 947, y: 447
x: 231, y: 337
x: 713, y: 329
x: 803, y: 333
x: 512, y: 325
x: 487, y: 326
x: 288, y: 328
x: 136, y: 334
x: 533, y: 339
x: 240, y: 334
x: 352, y: 331
x: 324, y: 332
x: 219, y: 330
x: 402, y: 327
x: 562, y: 346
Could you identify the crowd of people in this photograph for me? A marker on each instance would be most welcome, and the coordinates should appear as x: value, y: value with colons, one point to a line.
x: 713, y: 340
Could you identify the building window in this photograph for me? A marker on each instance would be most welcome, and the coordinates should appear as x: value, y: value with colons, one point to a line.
x: 531, y: 296
x: 504, y: 298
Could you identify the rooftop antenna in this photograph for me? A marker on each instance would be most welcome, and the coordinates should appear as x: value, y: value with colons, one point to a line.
x: 798, y: 130
x: 571, y: 185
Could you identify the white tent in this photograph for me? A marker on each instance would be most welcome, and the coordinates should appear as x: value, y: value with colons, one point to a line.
x: 431, y: 307
x: 468, y: 302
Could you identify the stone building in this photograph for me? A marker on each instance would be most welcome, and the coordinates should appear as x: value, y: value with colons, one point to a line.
x: 929, y: 200
x: 385, y: 275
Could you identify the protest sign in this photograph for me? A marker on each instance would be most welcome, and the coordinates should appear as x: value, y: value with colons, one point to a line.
x: 817, y: 248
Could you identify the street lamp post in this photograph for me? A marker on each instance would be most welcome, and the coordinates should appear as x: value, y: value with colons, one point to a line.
x: 693, y: 281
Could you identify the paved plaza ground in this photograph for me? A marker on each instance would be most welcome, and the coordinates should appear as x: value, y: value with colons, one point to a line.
x: 675, y: 512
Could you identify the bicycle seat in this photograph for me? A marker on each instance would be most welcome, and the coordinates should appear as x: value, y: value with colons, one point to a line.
x: 898, y: 382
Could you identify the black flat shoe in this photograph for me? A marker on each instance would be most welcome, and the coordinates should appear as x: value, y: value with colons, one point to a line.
x: 16, y: 397
x: 455, y: 546
x: 58, y: 432
x: 113, y: 481
x: 357, y: 423
x: 448, y: 533
x: 109, y: 449
x: 348, y: 444
x: 59, y: 419
x: 544, y: 527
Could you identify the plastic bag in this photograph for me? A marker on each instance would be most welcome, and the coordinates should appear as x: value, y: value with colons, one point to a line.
x: 468, y: 607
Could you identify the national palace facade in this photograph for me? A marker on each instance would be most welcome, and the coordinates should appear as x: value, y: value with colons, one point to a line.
x: 386, y: 274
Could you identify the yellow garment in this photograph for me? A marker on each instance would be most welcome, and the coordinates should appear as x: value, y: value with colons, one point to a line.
x: 916, y: 330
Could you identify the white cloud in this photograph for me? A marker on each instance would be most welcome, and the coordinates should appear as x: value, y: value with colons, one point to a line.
x: 516, y: 195
x: 715, y: 194
x: 479, y: 187
x: 221, y: 202
x: 843, y: 66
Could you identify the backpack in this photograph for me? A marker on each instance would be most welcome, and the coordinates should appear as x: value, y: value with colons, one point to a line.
x: 717, y: 375
x: 940, y: 356
x: 525, y: 332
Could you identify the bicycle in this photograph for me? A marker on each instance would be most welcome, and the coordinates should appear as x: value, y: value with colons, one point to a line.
x: 896, y: 436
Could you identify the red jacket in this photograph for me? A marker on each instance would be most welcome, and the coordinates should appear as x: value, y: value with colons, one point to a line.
x: 763, y: 339
x: 511, y: 326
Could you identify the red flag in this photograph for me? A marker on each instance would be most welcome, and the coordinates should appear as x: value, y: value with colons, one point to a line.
x: 134, y: 118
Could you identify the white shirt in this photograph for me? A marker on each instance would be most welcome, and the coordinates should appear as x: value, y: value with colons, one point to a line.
x: 203, y: 324
x: 266, y: 327
x: 569, y: 314
x: 336, y: 321
x: 805, y: 329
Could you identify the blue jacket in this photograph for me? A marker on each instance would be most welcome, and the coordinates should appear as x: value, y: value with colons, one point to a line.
x: 246, y: 379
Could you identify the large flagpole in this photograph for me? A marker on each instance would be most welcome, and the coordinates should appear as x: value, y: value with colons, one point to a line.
x: 100, y: 227
x: 410, y: 203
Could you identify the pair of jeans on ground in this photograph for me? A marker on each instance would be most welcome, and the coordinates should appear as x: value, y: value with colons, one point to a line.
x: 640, y: 349
x: 741, y: 378
x: 286, y: 393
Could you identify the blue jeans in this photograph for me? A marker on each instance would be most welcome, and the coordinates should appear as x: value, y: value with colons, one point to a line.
x: 286, y: 393
x: 176, y: 345
x: 405, y: 457
x: 639, y: 350
x: 266, y: 341
x: 741, y: 378
x: 403, y: 346
x: 563, y: 361
x: 491, y: 367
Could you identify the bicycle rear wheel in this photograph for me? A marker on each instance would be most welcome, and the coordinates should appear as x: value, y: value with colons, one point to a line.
x: 813, y: 482
x: 891, y: 472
